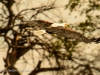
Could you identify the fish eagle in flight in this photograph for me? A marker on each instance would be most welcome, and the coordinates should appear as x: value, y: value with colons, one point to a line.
x: 60, y: 29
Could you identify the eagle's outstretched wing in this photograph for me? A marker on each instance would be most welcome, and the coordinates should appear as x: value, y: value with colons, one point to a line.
x: 66, y: 32
x: 60, y: 30
x: 40, y: 24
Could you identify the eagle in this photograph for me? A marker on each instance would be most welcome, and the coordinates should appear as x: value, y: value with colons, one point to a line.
x: 60, y: 29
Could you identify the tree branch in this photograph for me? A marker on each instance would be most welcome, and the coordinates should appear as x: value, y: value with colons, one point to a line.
x: 34, y: 72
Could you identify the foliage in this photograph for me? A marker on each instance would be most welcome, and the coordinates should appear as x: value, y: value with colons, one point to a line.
x: 47, y: 52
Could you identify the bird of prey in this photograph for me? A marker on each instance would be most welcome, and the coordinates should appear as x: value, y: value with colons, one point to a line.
x: 60, y: 29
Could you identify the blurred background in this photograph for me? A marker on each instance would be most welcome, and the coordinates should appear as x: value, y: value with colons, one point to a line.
x: 23, y: 51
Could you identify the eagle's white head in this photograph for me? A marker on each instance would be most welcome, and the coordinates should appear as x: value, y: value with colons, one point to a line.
x: 59, y: 24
